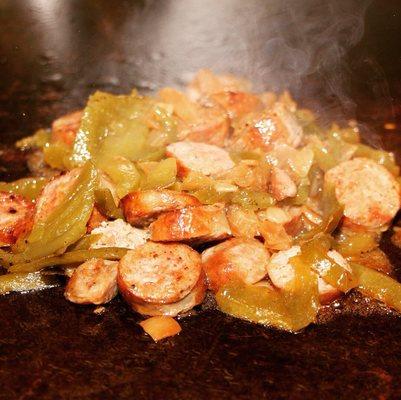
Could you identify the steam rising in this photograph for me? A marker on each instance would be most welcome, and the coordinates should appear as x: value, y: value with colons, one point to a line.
x: 307, y: 50
x: 299, y: 45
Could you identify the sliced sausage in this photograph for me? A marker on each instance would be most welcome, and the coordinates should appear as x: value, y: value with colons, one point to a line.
x: 238, y: 104
x: 206, y: 83
x: 16, y: 217
x: 158, y: 273
x: 195, y: 297
x: 93, y: 282
x: 244, y: 259
x: 119, y: 234
x: 207, y: 123
x: 142, y: 207
x: 212, y: 127
x: 95, y: 220
x: 199, y: 157
x: 369, y: 193
x: 281, y: 184
x: 65, y: 128
x: 53, y: 194
x: 194, y: 224
x: 264, y: 130
x: 282, y: 273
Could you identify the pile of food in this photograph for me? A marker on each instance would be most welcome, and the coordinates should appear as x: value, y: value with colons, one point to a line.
x: 163, y: 198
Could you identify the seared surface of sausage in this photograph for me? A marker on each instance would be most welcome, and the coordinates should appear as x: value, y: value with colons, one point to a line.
x: 369, y: 193
x: 244, y: 259
x: 16, y: 217
x: 93, y: 282
x: 281, y: 184
x: 142, y: 207
x: 206, y: 83
x: 53, y: 194
x: 237, y: 104
x: 192, y: 224
x: 95, y: 220
x: 65, y: 128
x: 158, y: 273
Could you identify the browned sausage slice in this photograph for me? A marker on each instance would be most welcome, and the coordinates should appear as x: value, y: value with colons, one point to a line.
x: 193, y: 224
x: 238, y: 104
x: 95, y: 220
x: 199, y: 157
x: 65, y: 128
x: 207, y: 123
x: 206, y: 83
x: 369, y: 193
x: 158, y: 273
x: 142, y: 207
x: 195, y: 297
x: 93, y: 282
x: 16, y: 217
x: 281, y: 184
x: 53, y: 194
x: 244, y: 259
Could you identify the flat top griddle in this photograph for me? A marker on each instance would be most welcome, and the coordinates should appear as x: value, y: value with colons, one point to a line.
x: 52, y: 56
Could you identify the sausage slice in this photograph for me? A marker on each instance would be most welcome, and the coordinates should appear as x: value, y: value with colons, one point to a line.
x: 142, y: 207
x: 54, y: 192
x: 206, y: 83
x: 244, y: 259
x: 95, y: 220
x: 158, y: 273
x: 199, y: 157
x: 195, y: 297
x: 369, y: 193
x: 194, y: 224
x: 93, y: 282
x: 16, y: 217
x: 238, y: 104
x: 281, y: 184
x: 119, y: 234
x: 65, y: 128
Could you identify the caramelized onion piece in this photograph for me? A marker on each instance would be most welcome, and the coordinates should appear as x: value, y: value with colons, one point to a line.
x: 160, y: 327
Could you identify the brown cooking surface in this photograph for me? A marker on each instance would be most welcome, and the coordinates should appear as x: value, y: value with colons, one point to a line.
x: 53, y: 54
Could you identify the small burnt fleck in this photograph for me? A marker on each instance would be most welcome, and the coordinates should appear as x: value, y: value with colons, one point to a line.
x: 12, y: 211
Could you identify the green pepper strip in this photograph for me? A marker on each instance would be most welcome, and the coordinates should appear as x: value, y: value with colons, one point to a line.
x: 27, y: 187
x: 291, y: 310
x: 379, y: 286
x: 21, y: 282
x: 77, y: 256
x: 332, y: 214
x: 105, y: 201
x: 314, y: 253
x: 67, y: 223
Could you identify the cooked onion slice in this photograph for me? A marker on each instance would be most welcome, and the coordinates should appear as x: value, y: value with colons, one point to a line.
x: 160, y: 327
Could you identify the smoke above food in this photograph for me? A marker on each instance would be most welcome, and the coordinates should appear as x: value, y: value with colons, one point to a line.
x: 307, y: 52
x: 300, y: 45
